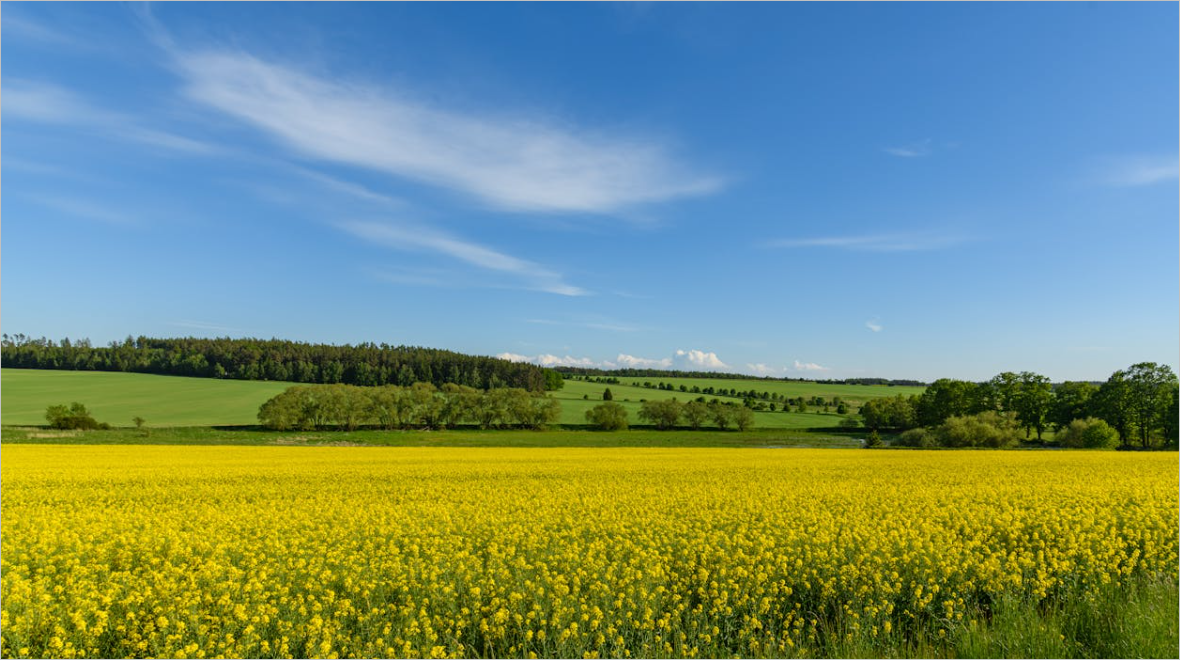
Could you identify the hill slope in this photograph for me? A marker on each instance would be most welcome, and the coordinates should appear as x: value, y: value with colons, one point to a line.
x: 116, y: 398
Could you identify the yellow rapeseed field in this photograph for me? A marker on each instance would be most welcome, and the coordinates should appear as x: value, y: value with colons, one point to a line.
x: 375, y: 552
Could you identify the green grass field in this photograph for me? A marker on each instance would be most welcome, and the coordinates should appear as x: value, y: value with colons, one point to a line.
x: 853, y: 394
x: 116, y: 398
x: 574, y: 407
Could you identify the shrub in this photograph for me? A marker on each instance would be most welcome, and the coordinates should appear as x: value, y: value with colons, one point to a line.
x: 919, y: 437
x: 874, y: 440
x: 1088, y: 433
x: 987, y: 429
x: 73, y: 417
x: 608, y: 416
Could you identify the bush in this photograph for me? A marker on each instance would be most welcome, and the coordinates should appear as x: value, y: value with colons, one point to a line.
x: 874, y: 440
x: 921, y: 438
x: 608, y: 416
x: 987, y: 429
x: 74, y: 417
x: 1088, y: 433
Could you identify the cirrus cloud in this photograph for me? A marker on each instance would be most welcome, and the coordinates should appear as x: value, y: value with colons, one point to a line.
x: 515, y: 163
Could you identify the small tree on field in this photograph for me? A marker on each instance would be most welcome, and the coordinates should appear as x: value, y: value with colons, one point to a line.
x: 696, y: 413
x: 607, y: 396
x: 743, y: 418
x: 721, y: 413
x: 664, y: 413
x: 608, y: 416
x: 874, y: 440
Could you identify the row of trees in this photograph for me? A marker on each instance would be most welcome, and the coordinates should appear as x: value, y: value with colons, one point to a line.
x: 280, y: 360
x: 666, y: 414
x: 590, y: 374
x: 1141, y: 403
x: 999, y: 430
x: 420, y: 406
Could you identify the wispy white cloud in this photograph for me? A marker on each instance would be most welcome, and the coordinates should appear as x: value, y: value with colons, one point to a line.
x: 534, y: 275
x: 809, y: 366
x: 52, y: 104
x: 1141, y: 170
x: 351, y: 189
x: 697, y: 359
x: 523, y: 164
x: 876, y: 242
x: 916, y: 149
x: 16, y: 26
x: 84, y: 208
x: 409, y: 277
x: 874, y: 325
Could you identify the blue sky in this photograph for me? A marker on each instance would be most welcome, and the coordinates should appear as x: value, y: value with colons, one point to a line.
x: 821, y: 191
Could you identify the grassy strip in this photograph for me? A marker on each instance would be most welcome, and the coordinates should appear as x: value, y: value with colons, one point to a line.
x: 1136, y: 620
x: 564, y: 437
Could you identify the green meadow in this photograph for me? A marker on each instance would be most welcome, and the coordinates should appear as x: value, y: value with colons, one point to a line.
x: 116, y: 398
x: 174, y: 401
x: 853, y: 394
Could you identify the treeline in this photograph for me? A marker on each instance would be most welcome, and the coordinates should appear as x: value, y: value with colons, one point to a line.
x: 612, y: 375
x: 668, y: 414
x: 279, y: 360
x: 420, y: 406
x: 1140, y: 404
x: 751, y: 398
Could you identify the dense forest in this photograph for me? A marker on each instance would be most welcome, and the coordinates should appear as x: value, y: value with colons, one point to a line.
x: 279, y: 360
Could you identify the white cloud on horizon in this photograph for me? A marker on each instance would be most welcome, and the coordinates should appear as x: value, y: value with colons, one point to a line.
x: 547, y: 360
x: 698, y: 360
x: 875, y: 242
x: 684, y: 360
x: 809, y: 366
x: 419, y: 238
x: 624, y: 361
x: 518, y: 164
x: 762, y: 369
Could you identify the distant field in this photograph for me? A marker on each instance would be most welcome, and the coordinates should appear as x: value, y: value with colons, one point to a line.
x: 574, y: 407
x: 853, y: 394
x: 116, y: 398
